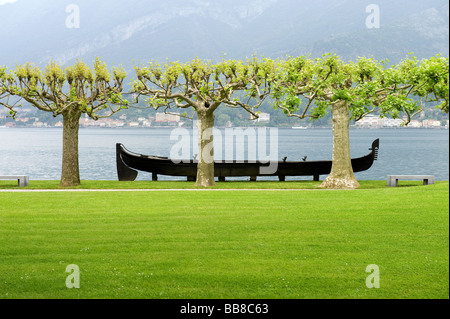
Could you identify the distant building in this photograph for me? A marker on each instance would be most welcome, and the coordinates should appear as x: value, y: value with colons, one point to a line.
x: 117, y: 124
x: 39, y: 124
x: 147, y: 123
x: 370, y: 121
x: 415, y: 124
x: 431, y: 123
x: 263, y: 117
x: 373, y: 121
x: 392, y: 122
x: 88, y: 122
x: 167, y: 118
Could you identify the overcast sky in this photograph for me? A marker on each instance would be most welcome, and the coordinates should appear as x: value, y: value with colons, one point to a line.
x: 2, y: 2
x: 132, y: 31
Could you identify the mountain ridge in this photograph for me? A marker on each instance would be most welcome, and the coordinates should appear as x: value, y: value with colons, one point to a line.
x: 181, y: 30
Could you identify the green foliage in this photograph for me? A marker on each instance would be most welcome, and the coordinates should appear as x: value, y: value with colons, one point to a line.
x: 80, y: 74
x: 54, y: 75
x: 71, y: 92
x: 56, y: 89
x: 201, y: 84
x: 366, y: 85
x: 433, y: 73
x: 6, y: 79
x: 300, y: 86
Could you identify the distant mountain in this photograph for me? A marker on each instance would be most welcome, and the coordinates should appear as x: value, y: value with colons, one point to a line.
x: 425, y: 34
x: 137, y: 31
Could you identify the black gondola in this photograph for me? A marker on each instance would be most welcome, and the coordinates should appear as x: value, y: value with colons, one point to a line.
x: 129, y: 163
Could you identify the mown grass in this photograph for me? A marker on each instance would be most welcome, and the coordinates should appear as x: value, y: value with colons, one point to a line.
x: 191, y: 185
x: 233, y: 244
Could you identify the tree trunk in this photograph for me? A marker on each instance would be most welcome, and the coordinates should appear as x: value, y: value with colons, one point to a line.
x: 205, y: 165
x: 70, y: 175
x: 341, y: 176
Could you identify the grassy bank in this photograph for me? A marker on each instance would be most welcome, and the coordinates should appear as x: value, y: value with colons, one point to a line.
x: 254, y: 244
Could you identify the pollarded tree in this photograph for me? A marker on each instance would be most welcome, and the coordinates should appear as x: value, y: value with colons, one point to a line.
x: 5, y: 97
x: 204, y: 86
x: 310, y: 88
x: 69, y: 92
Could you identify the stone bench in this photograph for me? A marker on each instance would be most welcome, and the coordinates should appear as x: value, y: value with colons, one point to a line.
x: 392, y: 180
x: 23, y: 180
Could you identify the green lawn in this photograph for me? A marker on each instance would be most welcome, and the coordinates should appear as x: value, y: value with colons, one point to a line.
x: 225, y: 244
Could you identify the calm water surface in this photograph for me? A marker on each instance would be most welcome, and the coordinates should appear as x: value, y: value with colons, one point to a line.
x: 37, y: 152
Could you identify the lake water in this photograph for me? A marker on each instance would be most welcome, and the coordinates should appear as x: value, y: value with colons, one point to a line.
x: 37, y: 152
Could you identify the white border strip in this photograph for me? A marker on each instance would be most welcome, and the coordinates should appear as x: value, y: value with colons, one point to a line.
x: 154, y: 190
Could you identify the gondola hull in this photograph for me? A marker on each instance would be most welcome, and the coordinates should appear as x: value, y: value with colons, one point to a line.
x: 129, y: 163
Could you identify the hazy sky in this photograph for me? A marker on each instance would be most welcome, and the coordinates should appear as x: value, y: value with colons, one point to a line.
x: 2, y: 2
x: 139, y: 30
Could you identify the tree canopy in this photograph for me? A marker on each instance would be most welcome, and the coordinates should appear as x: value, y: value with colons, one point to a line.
x: 70, y: 92
x: 311, y: 87
x: 301, y: 87
x: 204, y: 86
x: 5, y: 97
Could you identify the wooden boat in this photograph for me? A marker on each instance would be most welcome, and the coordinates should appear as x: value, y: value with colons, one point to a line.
x: 129, y: 163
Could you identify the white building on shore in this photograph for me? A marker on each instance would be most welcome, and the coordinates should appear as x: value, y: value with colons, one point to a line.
x: 370, y: 121
x: 431, y: 123
x: 263, y: 117
x: 373, y: 121
x: 167, y: 118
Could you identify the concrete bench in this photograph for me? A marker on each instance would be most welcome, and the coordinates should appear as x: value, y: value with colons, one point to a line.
x: 392, y: 180
x: 23, y: 180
